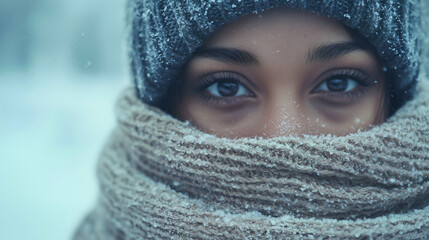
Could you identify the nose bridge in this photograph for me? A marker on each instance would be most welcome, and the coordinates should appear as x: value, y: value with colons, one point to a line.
x: 283, y: 116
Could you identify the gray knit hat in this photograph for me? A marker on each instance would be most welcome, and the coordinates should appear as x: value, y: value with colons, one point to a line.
x: 165, y: 33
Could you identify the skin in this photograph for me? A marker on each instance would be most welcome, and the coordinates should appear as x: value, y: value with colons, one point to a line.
x: 282, y: 93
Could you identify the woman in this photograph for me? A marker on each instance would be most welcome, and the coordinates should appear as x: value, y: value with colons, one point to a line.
x: 254, y: 78
x: 255, y: 91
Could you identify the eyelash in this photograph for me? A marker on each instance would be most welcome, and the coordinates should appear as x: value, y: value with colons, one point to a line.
x: 209, y: 79
x: 363, y: 80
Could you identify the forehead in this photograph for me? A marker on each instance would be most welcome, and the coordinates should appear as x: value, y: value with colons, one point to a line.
x: 279, y: 29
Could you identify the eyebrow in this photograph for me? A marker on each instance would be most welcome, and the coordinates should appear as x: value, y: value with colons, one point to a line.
x: 328, y: 52
x: 242, y: 57
x: 227, y: 55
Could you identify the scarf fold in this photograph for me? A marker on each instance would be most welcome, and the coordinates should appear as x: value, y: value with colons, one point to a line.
x: 161, y: 178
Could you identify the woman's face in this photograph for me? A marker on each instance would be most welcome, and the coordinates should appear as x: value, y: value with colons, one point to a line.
x: 283, y: 72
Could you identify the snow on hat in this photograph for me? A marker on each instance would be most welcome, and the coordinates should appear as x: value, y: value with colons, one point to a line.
x: 165, y: 33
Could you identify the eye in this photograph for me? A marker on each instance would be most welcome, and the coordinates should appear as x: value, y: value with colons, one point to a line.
x: 338, y: 84
x: 227, y: 88
x: 343, y: 85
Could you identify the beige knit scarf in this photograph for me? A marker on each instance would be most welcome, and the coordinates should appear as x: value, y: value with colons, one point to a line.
x: 161, y: 178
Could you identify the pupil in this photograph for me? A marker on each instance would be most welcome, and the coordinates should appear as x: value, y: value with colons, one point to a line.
x: 337, y: 84
x: 227, y: 89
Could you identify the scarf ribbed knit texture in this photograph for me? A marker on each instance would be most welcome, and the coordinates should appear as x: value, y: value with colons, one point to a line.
x: 161, y: 178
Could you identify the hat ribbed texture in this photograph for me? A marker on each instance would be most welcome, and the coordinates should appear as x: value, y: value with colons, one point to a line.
x: 164, y: 34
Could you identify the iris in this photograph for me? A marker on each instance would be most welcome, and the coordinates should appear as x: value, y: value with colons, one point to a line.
x: 337, y: 84
x: 227, y: 89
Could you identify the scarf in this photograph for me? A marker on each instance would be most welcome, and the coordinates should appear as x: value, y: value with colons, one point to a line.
x: 161, y: 178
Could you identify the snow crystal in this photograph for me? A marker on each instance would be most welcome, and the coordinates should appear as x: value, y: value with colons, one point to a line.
x: 176, y: 184
x: 88, y: 64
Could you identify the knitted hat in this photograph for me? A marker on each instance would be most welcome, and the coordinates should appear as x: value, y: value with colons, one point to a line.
x: 165, y: 33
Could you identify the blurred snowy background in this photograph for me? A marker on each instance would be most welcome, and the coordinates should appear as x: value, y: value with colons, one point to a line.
x: 62, y: 65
